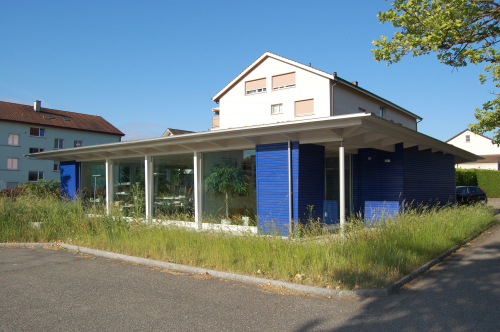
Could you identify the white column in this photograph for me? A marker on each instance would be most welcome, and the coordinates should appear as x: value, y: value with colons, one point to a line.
x: 198, y: 187
x: 148, y: 186
x: 342, y: 187
x: 290, y: 191
x: 109, y: 186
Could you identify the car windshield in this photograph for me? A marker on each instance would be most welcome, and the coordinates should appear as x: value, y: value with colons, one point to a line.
x: 462, y: 191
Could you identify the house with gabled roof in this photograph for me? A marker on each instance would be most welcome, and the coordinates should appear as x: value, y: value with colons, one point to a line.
x: 306, y: 143
x: 29, y: 129
x: 480, y: 145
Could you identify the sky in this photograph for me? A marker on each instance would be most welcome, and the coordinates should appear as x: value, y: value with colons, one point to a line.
x: 148, y: 65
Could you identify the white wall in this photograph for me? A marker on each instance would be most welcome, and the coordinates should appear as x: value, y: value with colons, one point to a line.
x: 26, y: 142
x: 238, y: 109
x: 478, y: 144
x: 348, y: 101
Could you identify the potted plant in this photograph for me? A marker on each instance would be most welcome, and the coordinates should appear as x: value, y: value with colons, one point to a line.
x: 226, y: 180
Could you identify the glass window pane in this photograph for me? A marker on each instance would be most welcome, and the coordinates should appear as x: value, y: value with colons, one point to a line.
x: 33, y: 176
x: 93, y: 181
x: 173, y: 187
x: 238, y: 167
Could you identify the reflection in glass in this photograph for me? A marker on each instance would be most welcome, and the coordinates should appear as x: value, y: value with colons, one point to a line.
x: 93, y: 182
x: 240, y: 204
x: 173, y: 187
x: 128, y: 186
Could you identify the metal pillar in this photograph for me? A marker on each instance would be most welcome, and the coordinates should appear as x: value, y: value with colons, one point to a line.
x: 290, y: 191
x: 148, y: 186
x: 109, y: 186
x: 198, y: 187
x: 342, y: 187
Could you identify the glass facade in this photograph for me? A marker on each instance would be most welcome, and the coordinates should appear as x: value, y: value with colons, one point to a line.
x: 173, y: 187
x: 93, y: 181
x: 128, y: 186
x: 229, y: 187
x: 332, y: 187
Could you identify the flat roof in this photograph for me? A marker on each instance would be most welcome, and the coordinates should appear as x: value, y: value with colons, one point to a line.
x: 355, y: 131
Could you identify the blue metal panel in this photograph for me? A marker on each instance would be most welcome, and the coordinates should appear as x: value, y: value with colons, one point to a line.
x: 70, y: 178
x: 272, y: 184
x: 411, y: 176
x: 272, y: 187
x: 377, y: 176
x: 429, y: 178
x: 311, y: 181
x: 378, y: 210
x: 330, y: 212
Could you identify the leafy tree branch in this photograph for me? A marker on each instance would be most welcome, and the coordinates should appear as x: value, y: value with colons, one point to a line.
x: 459, y: 32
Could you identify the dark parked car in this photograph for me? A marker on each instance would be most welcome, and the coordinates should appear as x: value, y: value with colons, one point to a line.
x: 471, y: 194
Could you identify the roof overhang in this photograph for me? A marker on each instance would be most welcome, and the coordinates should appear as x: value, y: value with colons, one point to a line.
x: 356, y: 131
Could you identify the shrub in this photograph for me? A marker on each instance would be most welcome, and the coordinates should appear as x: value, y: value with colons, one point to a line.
x: 488, y: 180
x: 42, y: 187
x: 466, y: 177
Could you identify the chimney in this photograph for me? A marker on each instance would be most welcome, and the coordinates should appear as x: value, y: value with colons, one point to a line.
x: 37, y: 105
x: 355, y: 83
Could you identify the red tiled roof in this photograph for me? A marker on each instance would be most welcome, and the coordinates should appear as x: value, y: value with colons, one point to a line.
x: 77, y: 121
x: 489, y: 158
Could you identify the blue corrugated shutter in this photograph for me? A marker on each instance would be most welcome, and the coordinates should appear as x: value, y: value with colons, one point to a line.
x: 272, y: 184
x: 311, y: 181
x: 70, y: 178
x: 272, y: 187
x: 376, y: 210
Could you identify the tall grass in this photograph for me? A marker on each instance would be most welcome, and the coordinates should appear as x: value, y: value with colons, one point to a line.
x: 363, y: 258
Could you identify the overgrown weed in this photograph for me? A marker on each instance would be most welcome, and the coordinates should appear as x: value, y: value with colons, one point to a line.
x: 363, y: 258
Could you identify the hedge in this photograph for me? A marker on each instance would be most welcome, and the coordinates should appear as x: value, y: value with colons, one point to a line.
x: 488, y: 180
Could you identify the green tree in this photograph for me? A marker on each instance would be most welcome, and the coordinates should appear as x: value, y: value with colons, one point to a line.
x: 226, y: 180
x: 459, y: 32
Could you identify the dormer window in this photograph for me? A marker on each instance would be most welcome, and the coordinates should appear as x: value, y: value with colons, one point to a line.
x: 255, y: 86
x: 66, y: 120
x: 284, y: 81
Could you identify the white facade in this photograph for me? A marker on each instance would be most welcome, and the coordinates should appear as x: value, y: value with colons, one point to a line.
x: 237, y: 109
x: 491, y: 166
x: 479, y: 145
x: 15, y: 168
x: 329, y: 95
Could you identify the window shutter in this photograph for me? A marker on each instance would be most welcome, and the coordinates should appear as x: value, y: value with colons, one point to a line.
x: 283, y: 80
x: 304, y: 107
x: 257, y: 84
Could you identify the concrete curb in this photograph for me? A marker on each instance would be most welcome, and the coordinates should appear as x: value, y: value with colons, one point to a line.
x: 25, y: 245
x: 260, y: 281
